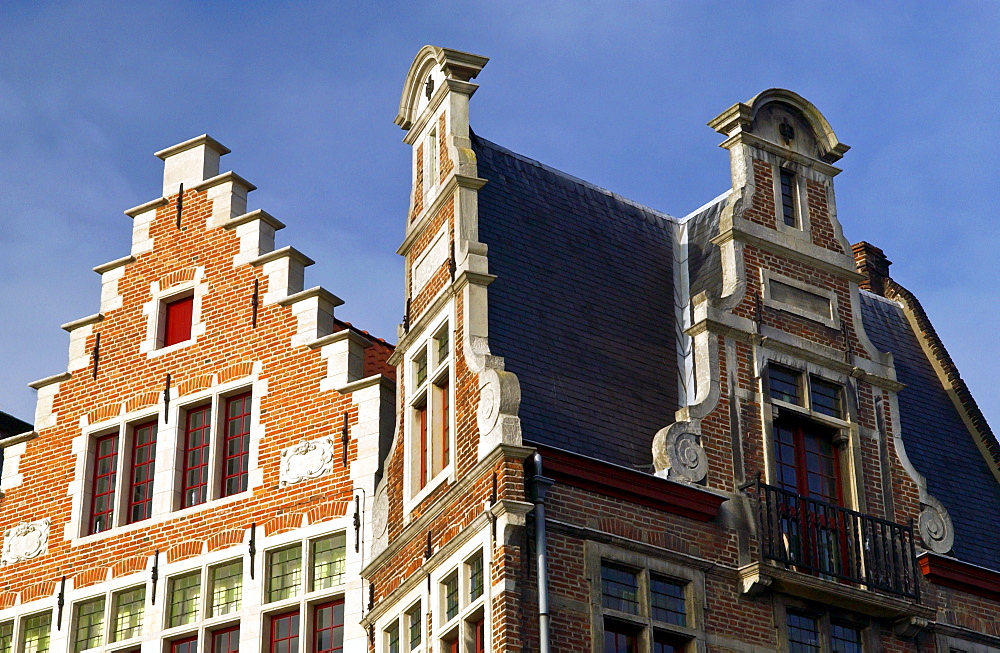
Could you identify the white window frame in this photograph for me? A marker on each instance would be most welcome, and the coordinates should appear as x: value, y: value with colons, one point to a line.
x: 439, y: 370
x: 802, y: 225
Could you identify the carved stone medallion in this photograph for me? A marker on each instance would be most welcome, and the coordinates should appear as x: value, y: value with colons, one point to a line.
x: 935, y: 527
x: 25, y: 541
x: 306, y: 461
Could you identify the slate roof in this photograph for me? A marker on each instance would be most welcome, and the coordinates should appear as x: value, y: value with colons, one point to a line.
x: 704, y: 262
x: 10, y: 425
x: 582, y: 307
x: 937, y: 441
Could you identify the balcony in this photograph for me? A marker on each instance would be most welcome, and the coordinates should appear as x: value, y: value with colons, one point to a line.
x: 820, y: 551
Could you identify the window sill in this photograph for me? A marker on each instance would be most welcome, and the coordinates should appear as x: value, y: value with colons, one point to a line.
x: 161, y: 518
x: 811, y: 414
x: 161, y: 351
x: 442, y: 476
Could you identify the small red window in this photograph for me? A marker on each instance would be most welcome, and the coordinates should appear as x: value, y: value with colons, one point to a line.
x: 285, y: 633
x: 194, y: 485
x: 328, y: 627
x: 236, y: 445
x: 177, y: 321
x: 226, y: 640
x: 140, y: 491
x: 186, y: 645
x: 102, y: 506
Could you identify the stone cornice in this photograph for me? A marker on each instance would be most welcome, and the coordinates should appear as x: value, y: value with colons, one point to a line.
x: 49, y: 380
x: 148, y: 206
x: 456, y: 490
x: 18, y: 439
x: 222, y: 179
x: 285, y: 252
x: 367, y: 382
x: 963, y: 576
x: 446, y: 192
x: 316, y: 291
x: 751, y: 233
x: 756, y: 141
x: 111, y: 265
x: 204, y: 139
x: 259, y: 214
x: 344, y: 334
x: 82, y: 322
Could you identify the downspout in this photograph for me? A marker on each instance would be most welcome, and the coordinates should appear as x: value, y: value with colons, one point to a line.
x: 539, y: 487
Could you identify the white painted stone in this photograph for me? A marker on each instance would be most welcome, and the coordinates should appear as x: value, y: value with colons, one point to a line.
x: 45, y: 417
x: 25, y: 541
x: 345, y: 359
x: 190, y: 163
x: 11, y: 476
x: 79, y: 355
x: 141, y: 240
x: 111, y: 299
x: 306, y: 461
x: 256, y: 238
x: 430, y: 261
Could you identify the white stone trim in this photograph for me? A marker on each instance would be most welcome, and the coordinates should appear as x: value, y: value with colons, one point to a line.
x: 831, y: 319
x: 430, y: 260
x: 153, y: 310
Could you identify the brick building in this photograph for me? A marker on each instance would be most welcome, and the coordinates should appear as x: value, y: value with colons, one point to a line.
x: 603, y: 428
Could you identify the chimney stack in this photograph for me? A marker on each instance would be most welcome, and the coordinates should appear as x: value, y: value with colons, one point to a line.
x: 871, y: 262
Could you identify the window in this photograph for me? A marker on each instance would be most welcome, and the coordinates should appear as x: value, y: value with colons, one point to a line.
x: 449, y: 592
x: 35, y: 633
x: 478, y: 628
x: 186, y: 645
x: 185, y: 594
x: 787, y: 184
x: 236, y: 449
x: 284, y: 573
x: 105, y: 469
x: 475, y: 569
x: 226, y: 591
x: 6, y: 636
x: 226, y: 640
x: 127, y: 617
x: 284, y: 633
x: 432, y: 158
x: 197, y: 442
x: 328, y: 566
x: 817, y: 397
x: 89, y: 624
x: 392, y: 637
x: 643, y: 603
x: 430, y: 412
x: 415, y: 626
x: 328, y: 627
x: 809, y: 632
x: 140, y: 495
x: 177, y: 315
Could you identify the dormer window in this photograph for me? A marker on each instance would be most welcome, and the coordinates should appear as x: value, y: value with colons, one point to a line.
x: 177, y: 315
x: 432, y: 158
x: 787, y: 189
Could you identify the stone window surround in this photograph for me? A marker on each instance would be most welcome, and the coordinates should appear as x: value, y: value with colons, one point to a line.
x: 109, y: 595
x: 824, y: 615
x: 155, y: 311
x: 847, y: 430
x: 167, y: 475
x: 18, y: 622
x: 596, y: 554
x: 446, y: 319
x: 429, y: 595
x: 831, y: 320
x: 432, y: 171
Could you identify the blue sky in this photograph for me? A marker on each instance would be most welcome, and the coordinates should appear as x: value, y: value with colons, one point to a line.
x: 304, y: 93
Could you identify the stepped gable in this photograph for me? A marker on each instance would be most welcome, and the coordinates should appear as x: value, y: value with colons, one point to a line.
x: 582, y: 308
x: 937, y: 441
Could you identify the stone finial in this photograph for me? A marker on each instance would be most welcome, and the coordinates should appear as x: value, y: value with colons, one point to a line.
x: 190, y: 162
x: 871, y: 262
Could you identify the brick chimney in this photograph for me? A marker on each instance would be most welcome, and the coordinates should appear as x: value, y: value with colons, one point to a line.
x: 871, y: 262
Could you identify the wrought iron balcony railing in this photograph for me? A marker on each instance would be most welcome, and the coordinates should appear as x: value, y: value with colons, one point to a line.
x: 827, y: 541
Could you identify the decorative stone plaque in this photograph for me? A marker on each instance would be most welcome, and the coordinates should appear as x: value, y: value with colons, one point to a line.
x: 306, y: 461
x: 25, y: 541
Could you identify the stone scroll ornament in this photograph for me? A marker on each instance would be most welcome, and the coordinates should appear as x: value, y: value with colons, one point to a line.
x: 936, y: 530
x: 25, y: 541
x: 306, y: 460
x: 678, y: 454
x: 499, y: 398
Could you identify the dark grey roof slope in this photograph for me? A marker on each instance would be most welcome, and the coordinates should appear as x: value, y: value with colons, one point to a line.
x: 704, y: 265
x: 937, y: 441
x: 582, y: 307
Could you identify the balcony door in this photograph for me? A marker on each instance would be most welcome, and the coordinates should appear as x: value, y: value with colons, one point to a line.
x: 807, y: 467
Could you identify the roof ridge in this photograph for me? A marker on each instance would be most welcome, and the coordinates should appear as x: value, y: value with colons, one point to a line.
x: 707, y: 205
x: 586, y: 184
x: 885, y: 300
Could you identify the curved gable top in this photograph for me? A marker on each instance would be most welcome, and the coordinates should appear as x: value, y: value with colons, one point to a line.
x: 439, y: 64
x: 741, y: 117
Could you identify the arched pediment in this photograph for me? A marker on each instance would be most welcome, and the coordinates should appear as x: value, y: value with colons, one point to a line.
x: 436, y: 65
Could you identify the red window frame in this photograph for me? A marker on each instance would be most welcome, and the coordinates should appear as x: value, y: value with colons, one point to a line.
x: 479, y: 635
x: 141, y: 469
x: 619, y: 641
x: 102, y: 500
x: 289, y: 641
x: 197, y: 445
x: 328, y: 622
x: 445, y: 422
x: 236, y: 445
x: 805, y: 459
x: 223, y: 640
x: 422, y: 421
x: 177, y: 316
x: 186, y: 645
